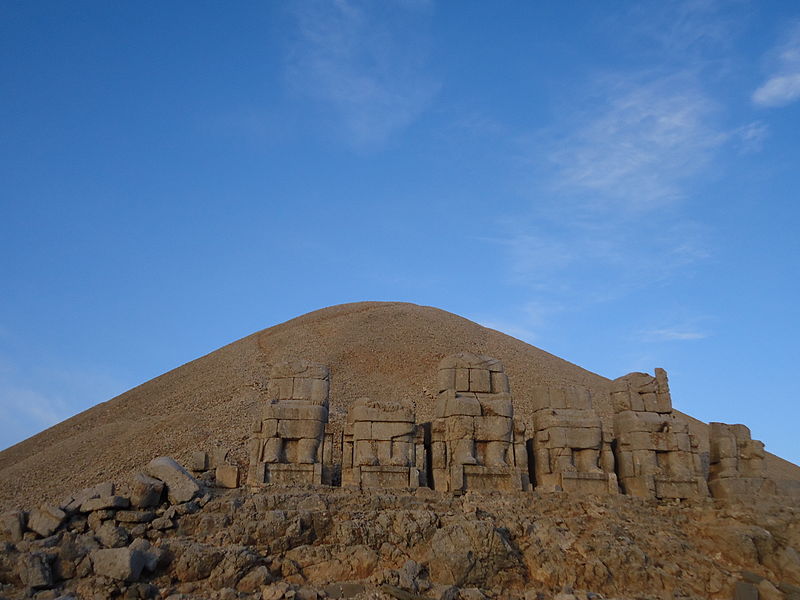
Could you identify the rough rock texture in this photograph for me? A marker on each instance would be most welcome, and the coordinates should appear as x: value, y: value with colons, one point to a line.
x: 181, y: 486
x: 316, y: 542
x: 384, y: 350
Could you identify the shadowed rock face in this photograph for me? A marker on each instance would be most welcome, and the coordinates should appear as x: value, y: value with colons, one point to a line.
x: 380, y: 350
x: 309, y: 542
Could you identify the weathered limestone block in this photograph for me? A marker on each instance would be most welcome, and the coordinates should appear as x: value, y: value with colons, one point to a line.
x: 181, y: 486
x: 34, y: 571
x: 289, y: 444
x: 737, y: 464
x: 73, y: 502
x: 46, y: 519
x: 146, y: 491
x: 383, y: 447
x: 474, y: 438
x: 199, y: 461
x: 134, y: 516
x: 124, y: 564
x: 227, y: 476
x: 572, y: 453
x: 656, y: 455
x: 12, y: 525
x: 105, y: 502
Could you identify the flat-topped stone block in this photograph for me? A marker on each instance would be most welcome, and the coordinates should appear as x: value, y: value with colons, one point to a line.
x: 381, y: 450
x: 572, y: 450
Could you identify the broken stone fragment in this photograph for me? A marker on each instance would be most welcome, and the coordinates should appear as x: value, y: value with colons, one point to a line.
x: 111, y: 536
x: 124, y: 564
x: 278, y: 590
x: 227, y: 476
x: 219, y: 456
x: 105, y: 502
x: 199, y: 461
x: 254, y: 580
x: 135, y: 516
x: 162, y: 523
x: 181, y: 486
x: 96, y: 518
x: 34, y: 571
x: 152, y: 555
x: 12, y: 525
x: 146, y: 491
x: 46, y: 519
x: 73, y: 502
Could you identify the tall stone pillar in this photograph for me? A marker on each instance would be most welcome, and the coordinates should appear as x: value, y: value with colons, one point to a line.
x: 656, y: 455
x: 289, y: 445
x: 475, y: 441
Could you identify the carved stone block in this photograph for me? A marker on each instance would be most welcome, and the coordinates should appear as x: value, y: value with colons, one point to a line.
x: 289, y: 440
x: 656, y: 456
x: 737, y: 464
x: 383, y: 447
x: 572, y: 453
x: 473, y: 437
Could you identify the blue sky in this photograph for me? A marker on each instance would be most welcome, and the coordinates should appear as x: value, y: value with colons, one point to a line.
x: 616, y: 183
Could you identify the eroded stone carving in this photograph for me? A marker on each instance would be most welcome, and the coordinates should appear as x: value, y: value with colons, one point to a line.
x: 383, y: 446
x: 737, y: 463
x: 289, y: 443
x: 656, y: 455
x: 572, y: 450
x: 475, y: 441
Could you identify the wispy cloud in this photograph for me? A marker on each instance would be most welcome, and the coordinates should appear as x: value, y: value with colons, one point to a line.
x: 617, y: 174
x: 670, y: 334
x: 366, y: 62
x: 600, y: 259
x: 642, y: 139
x: 751, y: 137
x: 782, y: 86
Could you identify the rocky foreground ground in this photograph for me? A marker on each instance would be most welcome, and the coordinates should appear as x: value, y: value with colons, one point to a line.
x: 320, y: 542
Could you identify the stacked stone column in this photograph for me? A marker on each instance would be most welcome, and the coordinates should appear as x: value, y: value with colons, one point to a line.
x: 383, y: 446
x: 475, y: 442
x: 737, y: 464
x: 656, y: 455
x: 572, y: 450
x: 289, y: 444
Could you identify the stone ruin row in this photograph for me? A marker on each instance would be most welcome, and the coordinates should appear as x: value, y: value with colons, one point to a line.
x: 475, y: 443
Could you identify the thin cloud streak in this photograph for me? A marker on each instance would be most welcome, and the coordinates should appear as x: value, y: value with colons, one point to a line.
x: 672, y: 335
x: 365, y: 68
x: 782, y: 87
x: 640, y: 146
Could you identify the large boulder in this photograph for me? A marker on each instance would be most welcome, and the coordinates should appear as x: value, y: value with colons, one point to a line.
x: 46, y: 519
x: 12, y: 525
x: 181, y: 486
x: 146, y: 491
x: 125, y: 564
x: 470, y: 553
x: 34, y: 571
